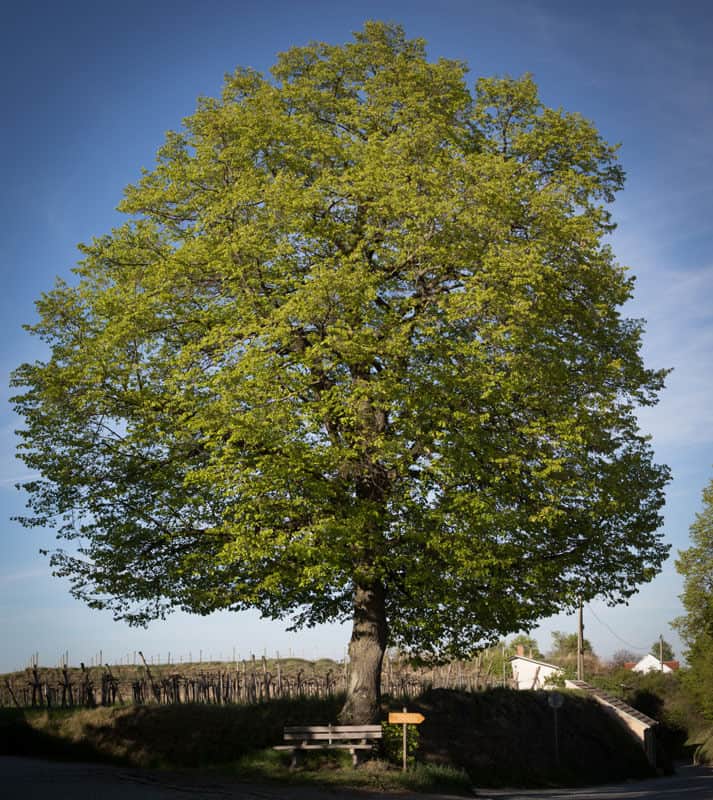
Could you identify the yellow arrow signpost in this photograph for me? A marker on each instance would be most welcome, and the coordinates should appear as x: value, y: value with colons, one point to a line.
x: 405, y: 718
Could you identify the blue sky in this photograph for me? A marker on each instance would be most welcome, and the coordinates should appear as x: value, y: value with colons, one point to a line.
x: 89, y: 90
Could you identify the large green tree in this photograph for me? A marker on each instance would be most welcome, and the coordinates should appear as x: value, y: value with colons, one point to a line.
x: 695, y: 564
x: 357, y: 353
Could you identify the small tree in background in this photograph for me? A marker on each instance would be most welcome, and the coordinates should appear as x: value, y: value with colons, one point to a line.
x: 621, y: 657
x: 495, y: 660
x: 528, y: 643
x: 565, y: 645
x: 564, y: 653
x: 668, y: 654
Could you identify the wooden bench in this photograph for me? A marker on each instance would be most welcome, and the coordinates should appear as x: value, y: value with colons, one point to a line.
x: 357, y: 739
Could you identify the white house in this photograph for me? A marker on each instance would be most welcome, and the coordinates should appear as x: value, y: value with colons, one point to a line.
x: 529, y: 673
x: 649, y: 663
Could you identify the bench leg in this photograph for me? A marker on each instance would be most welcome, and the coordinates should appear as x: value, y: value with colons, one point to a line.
x: 296, y: 758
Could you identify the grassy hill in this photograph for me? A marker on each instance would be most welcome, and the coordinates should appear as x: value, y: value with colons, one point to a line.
x: 504, y: 737
x: 490, y: 738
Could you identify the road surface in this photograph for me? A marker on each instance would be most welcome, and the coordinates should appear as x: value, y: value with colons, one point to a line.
x: 31, y: 779
x: 690, y: 783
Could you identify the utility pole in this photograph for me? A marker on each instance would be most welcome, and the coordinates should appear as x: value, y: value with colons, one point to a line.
x: 661, y: 650
x: 580, y: 643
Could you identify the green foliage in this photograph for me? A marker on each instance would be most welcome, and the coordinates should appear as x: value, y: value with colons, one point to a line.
x: 668, y: 653
x: 668, y: 698
x: 566, y: 644
x: 696, y: 627
x: 617, y: 681
x: 494, y: 661
x: 361, y: 328
x: 393, y: 743
x: 699, y: 676
x: 696, y: 566
x: 528, y: 643
x: 440, y: 778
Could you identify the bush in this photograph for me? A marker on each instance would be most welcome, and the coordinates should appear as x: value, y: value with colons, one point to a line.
x: 666, y: 698
x: 393, y: 743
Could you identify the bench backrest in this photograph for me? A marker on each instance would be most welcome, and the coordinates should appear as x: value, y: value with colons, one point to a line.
x: 331, y: 732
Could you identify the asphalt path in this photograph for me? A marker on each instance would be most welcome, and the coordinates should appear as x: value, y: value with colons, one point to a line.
x: 691, y: 782
x: 31, y: 779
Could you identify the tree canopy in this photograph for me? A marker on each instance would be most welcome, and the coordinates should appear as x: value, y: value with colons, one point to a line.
x: 567, y: 644
x: 657, y: 647
x: 356, y: 352
x: 623, y: 656
x: 695, y: 564
x: 528, y: 644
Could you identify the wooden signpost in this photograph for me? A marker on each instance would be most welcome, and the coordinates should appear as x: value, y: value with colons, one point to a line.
x: 405, y: 718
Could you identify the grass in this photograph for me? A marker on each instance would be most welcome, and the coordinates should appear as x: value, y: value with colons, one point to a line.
x: 171, y: 736
x: 504, y: 737
x: 493, y: 738
x: 233, y: 741
x: 334, y: 768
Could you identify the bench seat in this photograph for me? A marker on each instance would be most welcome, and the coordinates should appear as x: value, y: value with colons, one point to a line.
x: 357, y: 739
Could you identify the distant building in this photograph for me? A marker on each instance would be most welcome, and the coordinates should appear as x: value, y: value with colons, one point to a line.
x: 530, y: 673
x: 649, y: 663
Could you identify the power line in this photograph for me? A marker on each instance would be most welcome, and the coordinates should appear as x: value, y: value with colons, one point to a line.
x: 614, y: 633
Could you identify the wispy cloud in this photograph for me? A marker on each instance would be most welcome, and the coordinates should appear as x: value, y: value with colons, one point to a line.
x: 678, y: 306
x: 24, y: 575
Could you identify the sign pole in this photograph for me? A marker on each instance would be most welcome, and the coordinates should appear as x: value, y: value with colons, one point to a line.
x: 405, y: 718
x: 405, y: 726
x: 555, y: 701
x: 557, y: 738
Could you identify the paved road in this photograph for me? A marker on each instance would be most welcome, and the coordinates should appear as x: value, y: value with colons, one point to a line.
x: 29, y: 779
x: 694, y: 783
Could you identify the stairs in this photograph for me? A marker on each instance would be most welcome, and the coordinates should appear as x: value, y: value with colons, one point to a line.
x: 614, y: 702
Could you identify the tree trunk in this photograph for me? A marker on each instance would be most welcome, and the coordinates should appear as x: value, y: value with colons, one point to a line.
x: 366, y: 654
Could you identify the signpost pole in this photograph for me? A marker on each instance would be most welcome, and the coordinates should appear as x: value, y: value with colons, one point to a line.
x: 557, y: 738
x: 405, y: 737
x: 405, y: 718
x: 555, y: 701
